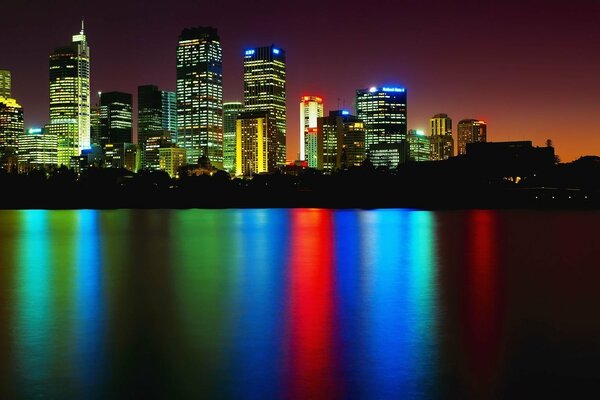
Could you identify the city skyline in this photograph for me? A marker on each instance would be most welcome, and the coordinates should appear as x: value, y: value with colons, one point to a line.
x: 521, y: 74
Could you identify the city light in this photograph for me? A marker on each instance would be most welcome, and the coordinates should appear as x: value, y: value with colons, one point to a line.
x: 393, y: 89
x: 345, y: 112
x: 275, y: 51
x: 249, y: 52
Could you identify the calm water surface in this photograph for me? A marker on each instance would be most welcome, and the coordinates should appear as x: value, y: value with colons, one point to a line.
x: 298, y: 304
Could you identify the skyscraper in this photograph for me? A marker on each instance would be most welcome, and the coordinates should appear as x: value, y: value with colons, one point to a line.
x: 311, y: 108
x: 470, y: 131
x: 200, y: 95
x: 11, y: 128
x: 231, y: 110
x: 37, y: 149
x: 441, y: 141
x: 116, y: 118
x: 5, y: 84
x: 265, y: 89
x: 150, y: 110
x: 70, y: 97
x: 383, y: 111
x: 169, y: 112
x: 341, y: 141
x: 419, y: 146
x: 256, y: 143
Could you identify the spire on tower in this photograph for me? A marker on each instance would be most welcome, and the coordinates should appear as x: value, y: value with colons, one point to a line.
x: 82, y: 25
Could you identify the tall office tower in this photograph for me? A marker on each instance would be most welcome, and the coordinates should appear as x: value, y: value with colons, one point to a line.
x: 418, y: 146
x: 11, y: 127
x: 311, y: 150
x: 311, y: 108
x: 70, y: 97
x: 264, y: 88
x: 116, y: 118
x: 200, y: 95
x: 169, y: 113
x: 5, y: 85
x: 95, y: 125
x: 231, y: 110
x: 470, y: 131
x: 442, y: 143
x: 37, y: 149
x: 383, y: 111
x: 256, y: 143
x: 150, y: 110
x: 341, y: 141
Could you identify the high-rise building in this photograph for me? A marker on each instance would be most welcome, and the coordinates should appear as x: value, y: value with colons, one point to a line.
x: 116, y: 118
x: 265, y: 89
x: 95, y: 126
x: 311, y: 108
x: 149, y: 144
x: 157, y: 110
x: 5, y: 84
x: 37, y: 149
x: 169, y: 113
x: 231, y: 110
x: 383, y: 111
x: 11, y: 127
x: 256, y: 143
x: 313, y: 154
x: 470, y: 131
x: 341, y: 141
x: 200, y: 95
x: 70, y: 97
x: 120, y: 155
x: 441, y: 141
x: 170, y: 159
x: 418, y: 146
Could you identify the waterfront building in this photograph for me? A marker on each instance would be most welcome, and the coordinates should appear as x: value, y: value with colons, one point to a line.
x: 340, y: 141
x: 265, y: 89
x: 116, y: 118
x: 231, y: 111
x: 470, y: 131
x: 311, y: 108
x: 200, y: 95
x: 384, y: 113
x: 11, y: 127
x: 256, y: 143
x: 418, y: 146
x: 157, y: 110
x: 170, y: 159
x: 70, y: 97
x: 149, y: 145
x: 120, y: 155
x: 441, y: 141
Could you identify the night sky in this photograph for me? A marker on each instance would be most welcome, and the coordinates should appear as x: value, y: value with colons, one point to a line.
x: 529, y: 68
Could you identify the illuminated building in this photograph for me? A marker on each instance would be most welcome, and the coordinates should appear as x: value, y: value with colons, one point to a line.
x: 441, y: 141
x: 470, y: 131
x: 200, y: 95
x: 256, y: 143
x: 418, y: 146
x: 11, y: 127
x: 170, y: 159
x: 157, y: 110
x: 120, y: 155
x: 311, y: 108
x: 5, y: 84
x: 70, y: 97
x: 37, y: 149
x: 340, y: 141
x: 95, y: 124
x: 149, y: 145
x: 115, y: 118
x: 383, y: 111
x: 264, y: 89
x: 231, y: 110
x: 169, y: 112
x: 311, y: 140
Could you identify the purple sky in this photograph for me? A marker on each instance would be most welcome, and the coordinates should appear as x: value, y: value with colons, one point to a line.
x: 529, y: 68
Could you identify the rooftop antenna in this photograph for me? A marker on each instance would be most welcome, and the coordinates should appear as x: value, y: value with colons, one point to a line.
x: 82, y: 25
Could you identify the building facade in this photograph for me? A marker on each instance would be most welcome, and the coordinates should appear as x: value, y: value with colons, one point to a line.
x: 265, y: 89
x: 200, y: 95
x: 441, y: 140
x: 5, y: 84
x: 120, y: 155
x: 384, y: 113
x: 70, y: 97
x: 231, y: 111
x: 341, y: 141
x: 419, y: 147
x: 37, y: 149
x: 170, y: 159
x: 311, y: 108
x: 116, y: 118
x: 470, y: 131
x: 256, y: 143
x: 11, y: 128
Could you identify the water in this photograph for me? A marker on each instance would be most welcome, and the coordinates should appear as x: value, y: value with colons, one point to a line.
x: 298, y: 304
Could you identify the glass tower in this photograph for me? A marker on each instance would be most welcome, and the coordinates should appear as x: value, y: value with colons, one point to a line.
x: 70, y: 97
x: 311, y: 108
x: 5, y: 85
x: 442, y: 143
x: 383, y: 111
x: 231, y: 110
x: 116, y: 118
x: 200, y: 95
x: 264, y: 89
